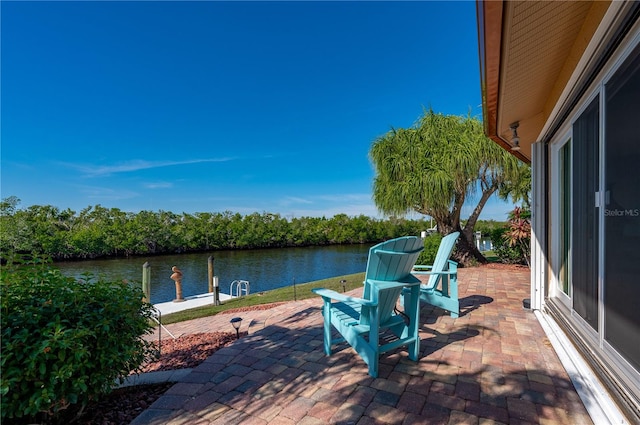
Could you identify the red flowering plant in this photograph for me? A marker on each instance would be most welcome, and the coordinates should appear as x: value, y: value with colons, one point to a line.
x: 518, y: 233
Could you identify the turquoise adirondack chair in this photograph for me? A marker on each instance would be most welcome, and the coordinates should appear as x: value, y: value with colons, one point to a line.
x: 445, y: 272
x: 362, y: 321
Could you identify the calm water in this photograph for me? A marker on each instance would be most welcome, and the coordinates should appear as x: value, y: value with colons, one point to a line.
x: 265, y: 269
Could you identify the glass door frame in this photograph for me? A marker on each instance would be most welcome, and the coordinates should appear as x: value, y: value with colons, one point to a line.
x: 557, y: 192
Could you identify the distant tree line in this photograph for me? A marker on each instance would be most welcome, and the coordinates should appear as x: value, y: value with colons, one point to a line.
x: 97, y: 231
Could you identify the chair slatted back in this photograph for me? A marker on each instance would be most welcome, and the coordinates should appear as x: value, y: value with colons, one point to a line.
x: 441, y: 263
x: 390, y: 261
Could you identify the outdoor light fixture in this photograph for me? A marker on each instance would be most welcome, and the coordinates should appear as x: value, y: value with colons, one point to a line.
x: 514, y: 138
x: 344, y: 285
x: 236, y: 322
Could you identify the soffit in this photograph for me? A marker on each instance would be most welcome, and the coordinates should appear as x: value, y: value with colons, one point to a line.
x: 540, y: 46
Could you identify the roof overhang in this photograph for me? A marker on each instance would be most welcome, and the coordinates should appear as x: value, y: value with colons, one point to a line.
x: 529, y: 52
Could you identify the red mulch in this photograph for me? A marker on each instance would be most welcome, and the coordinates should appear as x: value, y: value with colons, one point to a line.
x: 124, y: 404
x: 188, y: 351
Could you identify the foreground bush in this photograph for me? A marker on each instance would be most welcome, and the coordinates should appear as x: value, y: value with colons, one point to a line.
x: 65, y: 341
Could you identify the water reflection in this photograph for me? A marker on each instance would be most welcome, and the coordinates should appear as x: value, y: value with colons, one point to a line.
x: 265, y: 269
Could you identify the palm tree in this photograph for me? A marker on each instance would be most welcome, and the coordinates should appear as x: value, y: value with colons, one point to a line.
x: 437, y: 165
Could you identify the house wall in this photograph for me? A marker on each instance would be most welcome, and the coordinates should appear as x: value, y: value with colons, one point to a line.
x: 586, y: 272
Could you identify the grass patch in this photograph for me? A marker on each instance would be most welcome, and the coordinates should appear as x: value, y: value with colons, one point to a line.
x: 491, y: 256
x: 302, y: 291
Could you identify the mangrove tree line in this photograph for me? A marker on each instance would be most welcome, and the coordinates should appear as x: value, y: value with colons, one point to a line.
x: 97, y: 231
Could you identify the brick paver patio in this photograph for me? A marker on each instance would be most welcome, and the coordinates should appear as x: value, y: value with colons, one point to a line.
x: 492, y: 365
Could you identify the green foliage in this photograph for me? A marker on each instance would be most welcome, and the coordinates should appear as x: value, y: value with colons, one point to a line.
x: 505, y: 253
x: 436, y: 166
x: 431, y: 245
x: 518, y: 234
x: 431, y: 168
x: 101, y: 232
x: 511, y: 242
x: 487, y: 226
x: 65, y: 341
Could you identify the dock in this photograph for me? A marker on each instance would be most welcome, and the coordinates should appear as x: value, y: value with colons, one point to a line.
x: 190, y: 302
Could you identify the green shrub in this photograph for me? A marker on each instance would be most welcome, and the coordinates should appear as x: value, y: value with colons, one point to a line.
x: 506, y: 254
x: 511, y: 243
x: 431, y: 245
x: 65, y: 341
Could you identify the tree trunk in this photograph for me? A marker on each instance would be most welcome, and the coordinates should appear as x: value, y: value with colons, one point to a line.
x: 467, y: 253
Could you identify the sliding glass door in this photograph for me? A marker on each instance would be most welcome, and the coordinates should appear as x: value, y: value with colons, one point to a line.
x: 622, y: 210
x: 584, y: 220
x: 597, y: 197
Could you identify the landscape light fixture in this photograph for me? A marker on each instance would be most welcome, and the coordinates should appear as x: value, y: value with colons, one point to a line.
x: 344, y: 285
x: 514, y: 138
x: 236, y: 322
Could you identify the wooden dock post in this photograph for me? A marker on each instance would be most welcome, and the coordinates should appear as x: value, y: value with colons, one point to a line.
x: 210, y: 267
x: 146, y: 282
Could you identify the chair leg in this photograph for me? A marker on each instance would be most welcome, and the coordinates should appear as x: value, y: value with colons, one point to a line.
x: 455, y: 311
x: 373, y: 369
x: 414, y: 318
x: 327, y: 326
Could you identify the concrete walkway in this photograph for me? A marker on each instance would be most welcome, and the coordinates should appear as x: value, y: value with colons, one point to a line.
x: 193, y: 301
x: 492, y: 365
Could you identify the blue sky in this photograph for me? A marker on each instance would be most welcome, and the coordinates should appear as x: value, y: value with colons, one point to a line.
x: 222, y: 106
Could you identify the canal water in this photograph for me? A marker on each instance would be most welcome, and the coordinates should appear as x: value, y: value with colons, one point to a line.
x: 265, y: 269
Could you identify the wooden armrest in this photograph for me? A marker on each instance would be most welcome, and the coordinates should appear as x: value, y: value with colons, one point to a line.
x: 328, y: 293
